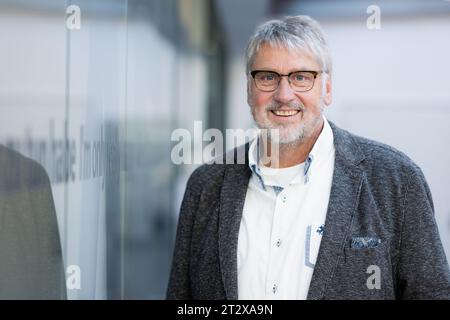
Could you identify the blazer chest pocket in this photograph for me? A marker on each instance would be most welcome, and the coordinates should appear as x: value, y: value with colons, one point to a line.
x: 363, y: 272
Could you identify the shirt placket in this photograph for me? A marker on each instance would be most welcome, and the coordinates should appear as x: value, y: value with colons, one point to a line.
x: 276, y: 249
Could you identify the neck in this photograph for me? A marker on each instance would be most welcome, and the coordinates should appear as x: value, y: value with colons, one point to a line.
x: 290, y: 154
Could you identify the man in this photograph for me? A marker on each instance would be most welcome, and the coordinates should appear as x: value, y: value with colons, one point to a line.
x: 335, y: 216
x: 31, y: 264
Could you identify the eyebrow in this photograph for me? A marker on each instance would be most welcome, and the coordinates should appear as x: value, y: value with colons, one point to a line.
x: 296, y: 70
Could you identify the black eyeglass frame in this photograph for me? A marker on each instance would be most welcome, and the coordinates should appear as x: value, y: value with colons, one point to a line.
x: 314, y: 73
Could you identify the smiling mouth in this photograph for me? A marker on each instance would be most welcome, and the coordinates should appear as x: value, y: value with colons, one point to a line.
x: 285, y: 113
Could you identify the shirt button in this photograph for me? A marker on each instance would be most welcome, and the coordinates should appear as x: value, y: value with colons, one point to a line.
x: 283, y: 198
x: 278, y: 242
x: 274, y: 289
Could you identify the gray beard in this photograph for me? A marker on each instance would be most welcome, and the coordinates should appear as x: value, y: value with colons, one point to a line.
x: 293, y: 138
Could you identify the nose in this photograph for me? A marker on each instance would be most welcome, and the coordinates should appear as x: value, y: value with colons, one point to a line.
x: 284, y: 92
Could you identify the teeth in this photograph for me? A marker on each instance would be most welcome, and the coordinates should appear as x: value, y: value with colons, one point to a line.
x: 285, y: 113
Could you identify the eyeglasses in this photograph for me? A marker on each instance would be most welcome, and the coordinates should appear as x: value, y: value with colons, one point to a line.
x: 299, y: 81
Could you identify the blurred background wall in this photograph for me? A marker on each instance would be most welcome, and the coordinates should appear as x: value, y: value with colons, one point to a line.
x: 96, y: 106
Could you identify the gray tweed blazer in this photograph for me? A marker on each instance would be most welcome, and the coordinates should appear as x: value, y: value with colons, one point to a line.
x: 380, y: 213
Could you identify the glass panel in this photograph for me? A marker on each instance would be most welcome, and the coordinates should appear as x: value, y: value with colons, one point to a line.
x: 90, y: 93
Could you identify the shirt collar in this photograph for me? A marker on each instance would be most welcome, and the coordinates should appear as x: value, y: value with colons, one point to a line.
x: 253, y: 161
x: 322, y: 147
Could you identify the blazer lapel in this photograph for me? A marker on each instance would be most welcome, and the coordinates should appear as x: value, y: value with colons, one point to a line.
x: 344, y: 197
x: 232, y: 200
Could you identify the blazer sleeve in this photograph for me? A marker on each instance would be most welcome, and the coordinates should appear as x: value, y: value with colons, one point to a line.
x: 179, y: 286
x: 423, y: 270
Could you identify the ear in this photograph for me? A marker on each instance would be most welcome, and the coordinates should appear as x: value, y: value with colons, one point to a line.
x: 327, y: 97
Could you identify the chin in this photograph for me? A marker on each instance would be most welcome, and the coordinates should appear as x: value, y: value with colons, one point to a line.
x: 289, y: 136
x: 293, y: 133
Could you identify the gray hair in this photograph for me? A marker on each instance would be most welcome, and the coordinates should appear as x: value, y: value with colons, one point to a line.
x: 294, y: 33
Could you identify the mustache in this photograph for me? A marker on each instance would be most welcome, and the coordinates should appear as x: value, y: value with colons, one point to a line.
x: 274, y: 106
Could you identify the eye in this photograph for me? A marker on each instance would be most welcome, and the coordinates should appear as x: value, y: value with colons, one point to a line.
x: 302, y: 77
x: 267, y: 76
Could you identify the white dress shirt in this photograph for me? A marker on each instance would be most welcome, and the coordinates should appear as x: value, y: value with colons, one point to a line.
x: 283, y: 222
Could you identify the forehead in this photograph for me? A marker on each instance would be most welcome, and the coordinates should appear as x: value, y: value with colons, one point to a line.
x: 282, y: 59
